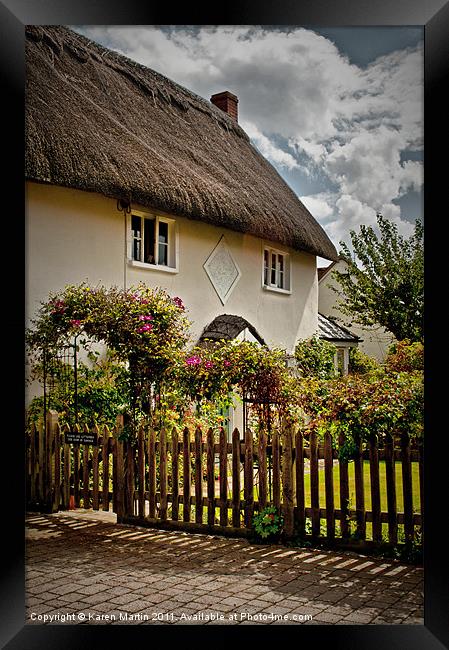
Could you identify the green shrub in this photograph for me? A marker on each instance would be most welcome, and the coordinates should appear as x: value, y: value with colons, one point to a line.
x: 315, y: 357
x: 361, y: 363
x: 405, y: 356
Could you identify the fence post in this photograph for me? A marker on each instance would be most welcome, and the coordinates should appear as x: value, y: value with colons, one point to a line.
x: 421, y: 483
x: 344, y: 489
x: 86, y: 496
x: 249, y: 479
x: 50, y: 436
x: 105, y: 469
x: 33, y: 464
x: 119, y: 487
x: 28, y: 470
x: 129, y: 480
x: 391, y: 489
x: 66, y: 471
x: 314, y: 485
x: 407, y: 487
x: 287, y: 479
x: 329, y: 487
x: 57, y: 466
x: 236, y: 478
x: 186, y: 473
x: 198, y: 477
x: 262, y: 456
x: 210, y: 478
x: 163, y: 473
x: 276, y: 470
x: 175, y: 475
x: 375, y: 488
x: 141, y: 470
x: 152, y: 474
x: 223, y: 447
x: 300, y: 499
x: 76, y: 471
x: 360, y: 492
x: 96, y: 472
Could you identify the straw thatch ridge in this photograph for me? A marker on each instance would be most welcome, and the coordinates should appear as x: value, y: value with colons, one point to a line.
x: 99, y: 122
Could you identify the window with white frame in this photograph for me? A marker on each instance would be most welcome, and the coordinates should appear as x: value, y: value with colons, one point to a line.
x: 276, y: 269
x: 152, y: 240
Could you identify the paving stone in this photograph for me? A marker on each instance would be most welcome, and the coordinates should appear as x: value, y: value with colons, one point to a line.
x: 333, y: 596
x: 276, y: 609
x: 106, y: 568
x: 358, y: 618
x: 92, y: 589
x: 123, y: 599
x: 271, y: 597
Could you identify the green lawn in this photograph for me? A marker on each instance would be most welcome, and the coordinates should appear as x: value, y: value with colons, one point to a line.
x: 367, y: 484
x: 322, y: 494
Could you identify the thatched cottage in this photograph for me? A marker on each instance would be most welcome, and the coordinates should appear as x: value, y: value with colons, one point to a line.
x: 131, y: 177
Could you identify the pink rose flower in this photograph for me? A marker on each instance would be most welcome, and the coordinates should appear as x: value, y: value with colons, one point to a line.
x: 195, y: 360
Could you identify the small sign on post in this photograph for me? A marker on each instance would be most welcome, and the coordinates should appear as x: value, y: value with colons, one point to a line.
x: 81, y: 437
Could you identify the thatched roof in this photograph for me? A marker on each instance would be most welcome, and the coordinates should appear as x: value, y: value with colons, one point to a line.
x: 99, y: 122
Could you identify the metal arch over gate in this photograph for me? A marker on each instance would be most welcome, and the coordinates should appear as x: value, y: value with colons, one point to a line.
x: 60, y: 374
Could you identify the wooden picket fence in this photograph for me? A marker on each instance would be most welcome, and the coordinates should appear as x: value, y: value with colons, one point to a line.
x: 169, y: 480
x: 62, y: 476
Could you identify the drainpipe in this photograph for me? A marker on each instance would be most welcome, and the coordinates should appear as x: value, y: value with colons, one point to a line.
x: 124, y: 205
x: 125, y: 253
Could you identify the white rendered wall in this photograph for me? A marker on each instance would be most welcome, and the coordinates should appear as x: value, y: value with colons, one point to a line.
x: 75, y: 236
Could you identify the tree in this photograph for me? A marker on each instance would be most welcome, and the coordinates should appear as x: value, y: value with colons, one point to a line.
x: 384, y: 279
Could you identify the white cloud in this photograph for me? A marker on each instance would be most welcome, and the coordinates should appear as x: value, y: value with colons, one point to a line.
x: 348, y: 124
x: 315, y: 151
x: 318, y: 205
x: 368, y: 167
x: 268, y: 149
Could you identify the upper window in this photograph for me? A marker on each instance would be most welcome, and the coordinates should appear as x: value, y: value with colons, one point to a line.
x: 276, y: 270
x: 152, y: 240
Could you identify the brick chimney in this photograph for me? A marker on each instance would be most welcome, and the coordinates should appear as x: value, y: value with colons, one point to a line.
x: 227, y: 102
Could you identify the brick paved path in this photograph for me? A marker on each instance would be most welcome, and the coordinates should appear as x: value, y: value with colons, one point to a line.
x: 79, y: 565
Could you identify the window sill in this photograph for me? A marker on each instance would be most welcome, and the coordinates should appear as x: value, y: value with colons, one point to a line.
x: 286, y: 292
x: 152, y: 267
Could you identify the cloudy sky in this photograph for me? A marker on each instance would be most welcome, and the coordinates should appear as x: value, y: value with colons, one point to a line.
x: 337, y: 111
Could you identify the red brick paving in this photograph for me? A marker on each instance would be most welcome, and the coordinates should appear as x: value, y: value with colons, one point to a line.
x: 86, y: 570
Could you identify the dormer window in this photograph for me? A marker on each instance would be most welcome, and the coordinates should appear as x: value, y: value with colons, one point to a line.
x: 276, y: 270
x: 152, y: 241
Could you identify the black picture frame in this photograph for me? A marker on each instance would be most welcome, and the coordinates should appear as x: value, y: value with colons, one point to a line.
x: 433, y: 15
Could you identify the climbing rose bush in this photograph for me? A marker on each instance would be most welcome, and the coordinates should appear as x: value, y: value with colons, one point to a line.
x: 143, y: 326
x: 224, y: 372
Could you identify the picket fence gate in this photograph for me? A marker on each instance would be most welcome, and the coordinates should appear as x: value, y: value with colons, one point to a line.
x: 169, y: 480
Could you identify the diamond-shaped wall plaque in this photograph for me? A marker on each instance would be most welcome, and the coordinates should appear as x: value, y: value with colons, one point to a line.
x: 222, y: 270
